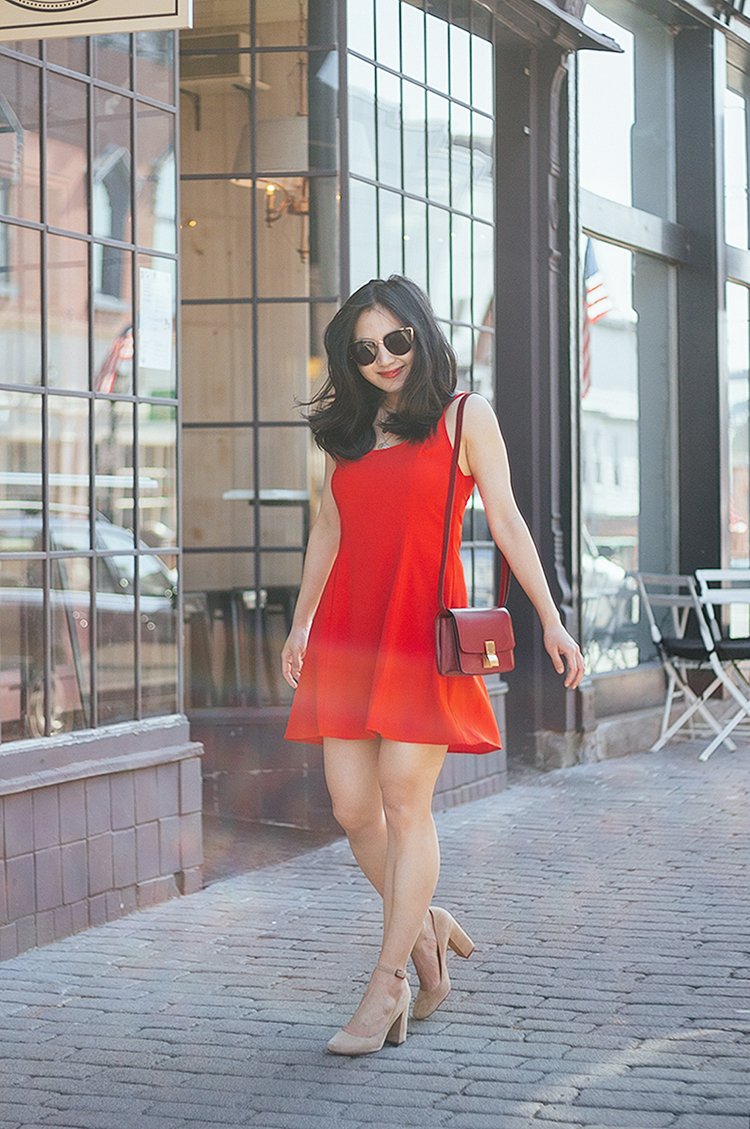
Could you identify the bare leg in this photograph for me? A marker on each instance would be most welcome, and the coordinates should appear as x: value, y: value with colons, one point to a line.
x: 407, y: 775
x: 353, y: 780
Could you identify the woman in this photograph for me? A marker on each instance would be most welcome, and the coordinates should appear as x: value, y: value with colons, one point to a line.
x: 361, y: 648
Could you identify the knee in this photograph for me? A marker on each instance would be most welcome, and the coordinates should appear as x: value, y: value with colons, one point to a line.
x: 355, y: 817
x: 404, y: 810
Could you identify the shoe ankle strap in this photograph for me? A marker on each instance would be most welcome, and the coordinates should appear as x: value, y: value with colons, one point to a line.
x: 399, y: 972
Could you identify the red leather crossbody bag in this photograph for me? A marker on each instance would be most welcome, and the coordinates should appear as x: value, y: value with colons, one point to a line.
x: 471, y: 641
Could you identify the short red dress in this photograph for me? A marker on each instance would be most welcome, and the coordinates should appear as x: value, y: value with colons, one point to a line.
x: 370, y: 667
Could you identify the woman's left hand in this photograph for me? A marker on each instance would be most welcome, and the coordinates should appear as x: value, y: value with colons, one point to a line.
x: 565, y: 654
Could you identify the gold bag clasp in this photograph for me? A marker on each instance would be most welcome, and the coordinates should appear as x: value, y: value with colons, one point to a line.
x: 490, y: 661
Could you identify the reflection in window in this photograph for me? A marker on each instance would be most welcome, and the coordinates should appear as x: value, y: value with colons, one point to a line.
x: 738, y: 371
x: 609, y: 422
x: 606, y: 122
x: 46, y: 601
x: 736, y: 162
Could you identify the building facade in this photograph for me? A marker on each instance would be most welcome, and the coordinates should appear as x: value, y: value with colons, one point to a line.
x: 180, y: 216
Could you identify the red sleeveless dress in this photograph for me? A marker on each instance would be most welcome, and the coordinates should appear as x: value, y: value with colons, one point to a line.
x: 370, y: 665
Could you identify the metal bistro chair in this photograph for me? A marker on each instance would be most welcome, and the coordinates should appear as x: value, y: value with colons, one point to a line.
x: 668, y: 600
x: 723, y: 588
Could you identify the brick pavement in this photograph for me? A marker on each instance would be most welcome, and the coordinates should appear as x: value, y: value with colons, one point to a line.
x: 610, y: 904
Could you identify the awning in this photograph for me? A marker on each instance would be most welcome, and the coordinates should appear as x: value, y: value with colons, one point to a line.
x: 551, y: 21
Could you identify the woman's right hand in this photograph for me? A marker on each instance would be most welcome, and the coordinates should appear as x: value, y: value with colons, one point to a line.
x: 293, y: 654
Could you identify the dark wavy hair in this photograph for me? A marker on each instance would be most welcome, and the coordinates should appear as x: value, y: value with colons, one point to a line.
x: 343, y: 411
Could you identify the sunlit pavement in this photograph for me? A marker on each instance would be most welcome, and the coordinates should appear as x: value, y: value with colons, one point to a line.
x: 610, y: 905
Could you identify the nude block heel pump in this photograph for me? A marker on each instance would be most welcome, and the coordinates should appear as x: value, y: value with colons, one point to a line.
x: 394, y: 1031
x: 448, y: 934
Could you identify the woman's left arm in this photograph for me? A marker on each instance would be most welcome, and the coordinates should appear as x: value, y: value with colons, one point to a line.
x: 485, y: 455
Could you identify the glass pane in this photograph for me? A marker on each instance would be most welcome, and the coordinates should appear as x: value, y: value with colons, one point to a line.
x: 283, y: 345
x: 112, y: 285
x: 440, y: 260
x: 218, y: 486
x: 158, y: 610
x: 157, y: 316
x: 359, y: 26
x: 361, y: 95
x: 387, y: 33
x: 461, y: 267
x: 438, y: 166
x: 19, y: 139
x: 437, y: 53
x: 20, y: 305
x: 738, y: 366
x: 483, y: 189
x: 155, y: 64
x: 157, y: 474
x: 214, y: 124
x: 20, y: 472
x: 67, y: 313
x: 70, y: 607
x: 484, y: 272
x: 324, y: 235
x: 363, y: 222
x: 606, y: 101
x: 482, y: 75
x: 286, y: 25
x: 113, y: 322
x: 283, y: 233
x: 22, y: 652
x: 216, y: 238
x: 70, y: 53
x: 217, y: 339
x: 610, y: 494
x: 413, y: 33
x: 112, y: 58
x: 281, y: 574
x: 461, y: 163
x: 115, y: 639
x: 284, y: 499
x: 113, y: 451
x: 68, y: 459
x: 389, y: 129
x: 415, y: 241
x: 483, y: 371
x: 156, y: 180
x: 414, y: 125
x: 462, y: 340
x: 735, y: 168
x: 219, y: 601
x: 460, y: 63
x: 391, y: 234
x: 111, y: 166
x: 323, y: 122
x: 67, y: 146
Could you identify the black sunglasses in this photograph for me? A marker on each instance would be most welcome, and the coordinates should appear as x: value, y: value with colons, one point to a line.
x: 397, y: 342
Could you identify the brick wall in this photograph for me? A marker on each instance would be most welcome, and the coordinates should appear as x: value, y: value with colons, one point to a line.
x: 105, y: 838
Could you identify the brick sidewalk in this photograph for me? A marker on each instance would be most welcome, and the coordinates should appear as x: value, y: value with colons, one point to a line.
x: 610, y: 904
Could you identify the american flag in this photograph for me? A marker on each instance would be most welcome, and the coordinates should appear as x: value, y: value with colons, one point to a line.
x: 596, y: 305
x: 120, y: 350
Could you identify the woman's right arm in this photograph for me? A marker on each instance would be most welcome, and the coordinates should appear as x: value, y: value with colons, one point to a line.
x: 322, y: 547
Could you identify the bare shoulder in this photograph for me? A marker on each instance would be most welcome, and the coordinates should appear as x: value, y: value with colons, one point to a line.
x: 480, y: 420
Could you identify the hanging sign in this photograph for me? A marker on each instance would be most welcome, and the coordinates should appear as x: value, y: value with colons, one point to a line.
x: 44, y: 19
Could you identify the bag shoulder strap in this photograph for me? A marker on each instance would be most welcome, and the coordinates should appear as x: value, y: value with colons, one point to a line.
x: 504, y: 568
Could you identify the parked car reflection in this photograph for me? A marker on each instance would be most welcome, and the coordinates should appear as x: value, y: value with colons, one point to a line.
x: 23, y: 701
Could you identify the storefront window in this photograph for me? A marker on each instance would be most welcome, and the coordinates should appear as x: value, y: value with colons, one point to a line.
x: 626, y: 126
x: 738, y: 389
x: 421, y: 184
x: 66, y: 295
x: 259, y: 239
x: 736, y: 127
